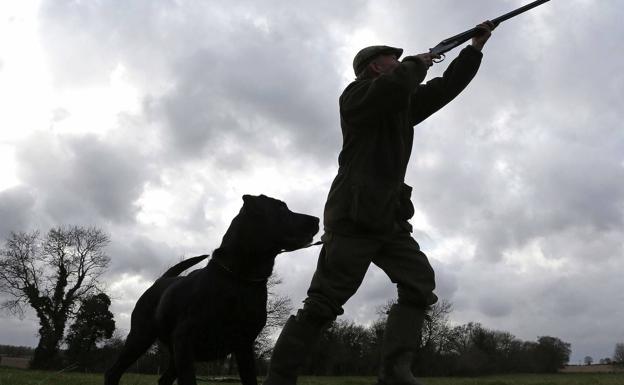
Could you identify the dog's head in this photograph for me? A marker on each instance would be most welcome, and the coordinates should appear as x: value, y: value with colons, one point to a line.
x: 264, y: 227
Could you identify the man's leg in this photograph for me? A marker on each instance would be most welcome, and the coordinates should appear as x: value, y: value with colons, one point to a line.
x: 341, y: 267
x: 409, y: 268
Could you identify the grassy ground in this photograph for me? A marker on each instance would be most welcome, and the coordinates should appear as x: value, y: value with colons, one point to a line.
x: 30, y: 377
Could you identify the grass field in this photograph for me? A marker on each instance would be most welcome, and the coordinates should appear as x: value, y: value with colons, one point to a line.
x: 10, y: 376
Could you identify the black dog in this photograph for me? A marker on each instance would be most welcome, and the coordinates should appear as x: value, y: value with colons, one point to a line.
x: 221, y: 308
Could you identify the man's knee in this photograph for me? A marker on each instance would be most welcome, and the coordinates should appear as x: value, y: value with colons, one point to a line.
x: 416, y: 298
x: 317, y: 313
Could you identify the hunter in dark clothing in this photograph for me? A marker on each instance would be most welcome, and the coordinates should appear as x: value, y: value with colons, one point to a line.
x: 368, y: 206
x: 377, y: 116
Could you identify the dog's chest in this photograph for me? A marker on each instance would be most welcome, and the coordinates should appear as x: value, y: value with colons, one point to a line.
x: 233, y: 314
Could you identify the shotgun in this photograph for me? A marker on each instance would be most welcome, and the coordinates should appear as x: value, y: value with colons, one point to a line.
x: 452, y: 42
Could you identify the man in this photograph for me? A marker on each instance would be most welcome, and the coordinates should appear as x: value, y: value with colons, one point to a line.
x: 368, y: 206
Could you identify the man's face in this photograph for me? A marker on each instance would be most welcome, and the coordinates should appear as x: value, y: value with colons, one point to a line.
x: 384, y: 64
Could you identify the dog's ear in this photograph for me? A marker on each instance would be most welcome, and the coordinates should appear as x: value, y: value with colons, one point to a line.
x: 250, y: 205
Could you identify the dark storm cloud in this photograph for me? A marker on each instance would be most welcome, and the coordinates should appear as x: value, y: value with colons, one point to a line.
x: 252, y: 74
x: 268, y: 85
x: 495, y: 307
x: 82, y: 179
x: 134, y: 254
x: 16, y: 210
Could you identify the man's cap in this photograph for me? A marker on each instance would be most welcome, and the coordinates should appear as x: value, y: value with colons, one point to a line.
x: 366, y: 55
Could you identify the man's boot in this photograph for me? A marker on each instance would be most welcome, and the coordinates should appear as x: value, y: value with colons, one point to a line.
x: 401, y: 340
x: 291, y: 349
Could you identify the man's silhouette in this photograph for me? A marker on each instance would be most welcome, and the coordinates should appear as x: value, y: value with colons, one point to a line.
x: 368, y: 206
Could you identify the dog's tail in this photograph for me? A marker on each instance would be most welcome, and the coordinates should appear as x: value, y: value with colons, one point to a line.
x: 177, y: 269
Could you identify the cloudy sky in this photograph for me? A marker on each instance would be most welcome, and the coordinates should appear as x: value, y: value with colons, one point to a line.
x: 150, y: 119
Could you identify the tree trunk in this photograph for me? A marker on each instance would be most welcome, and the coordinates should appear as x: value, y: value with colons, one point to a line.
x: 47, y: 351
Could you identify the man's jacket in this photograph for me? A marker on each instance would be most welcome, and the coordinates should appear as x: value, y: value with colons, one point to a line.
x: 377, y: 116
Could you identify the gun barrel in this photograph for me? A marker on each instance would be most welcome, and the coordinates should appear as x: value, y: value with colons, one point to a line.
x: 453, y: 41
x: 518, y: 11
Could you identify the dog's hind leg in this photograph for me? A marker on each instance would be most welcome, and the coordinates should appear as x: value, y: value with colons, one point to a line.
x: 169, y: 376
x: 246, y: 362
x: 136, y: 344
x: 184, y: 359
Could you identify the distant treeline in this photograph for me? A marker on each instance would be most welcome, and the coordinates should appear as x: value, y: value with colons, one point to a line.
x: 350, y: 349
x: 16, y: 351
x: 98, y: 360
x: 466, y: 350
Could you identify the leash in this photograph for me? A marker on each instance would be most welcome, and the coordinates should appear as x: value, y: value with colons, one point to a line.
x: 302, y: 247
x: 256, y: 280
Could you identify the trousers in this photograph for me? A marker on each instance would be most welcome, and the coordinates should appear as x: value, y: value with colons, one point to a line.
x: 344, y: 260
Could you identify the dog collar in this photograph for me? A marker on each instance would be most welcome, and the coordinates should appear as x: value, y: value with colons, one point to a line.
x: 258, y: 280
x: 237, y: 275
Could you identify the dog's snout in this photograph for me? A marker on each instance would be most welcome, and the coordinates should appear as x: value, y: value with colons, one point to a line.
x: 304, y: 226
x: 313, y: 222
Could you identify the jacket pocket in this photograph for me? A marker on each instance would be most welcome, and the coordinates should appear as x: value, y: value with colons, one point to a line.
x: 374, y: 207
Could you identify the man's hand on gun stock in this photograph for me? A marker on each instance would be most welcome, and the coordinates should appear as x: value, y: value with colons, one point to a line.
x: 486, y: 29
x: 427, y: 58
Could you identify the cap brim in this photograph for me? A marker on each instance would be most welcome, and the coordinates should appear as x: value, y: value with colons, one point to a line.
x: 394, y: 51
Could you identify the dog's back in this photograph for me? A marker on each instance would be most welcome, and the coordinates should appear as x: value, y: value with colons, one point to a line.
x: 177, y: 269
x: 145, y: 308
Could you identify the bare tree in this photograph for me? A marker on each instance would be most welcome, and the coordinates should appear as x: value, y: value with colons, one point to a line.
x: 618, y: 354
x: 436, y: 327
x: 435, y: 330
x: 279, y: 309
x: 51, y: 275
x: 588, y: 360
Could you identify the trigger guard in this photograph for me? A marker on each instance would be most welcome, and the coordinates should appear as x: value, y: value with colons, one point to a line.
x: 440, y: 60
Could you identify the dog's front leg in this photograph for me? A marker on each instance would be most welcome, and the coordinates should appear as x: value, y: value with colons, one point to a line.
x: 184, y: 358
x: 246, y: 361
